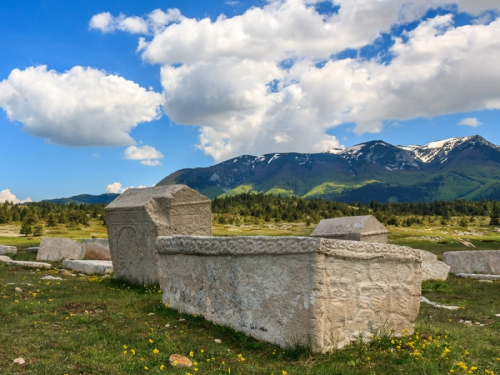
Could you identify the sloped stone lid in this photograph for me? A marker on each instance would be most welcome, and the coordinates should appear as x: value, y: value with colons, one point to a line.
x: 362, y: 225
x: 136, y: 198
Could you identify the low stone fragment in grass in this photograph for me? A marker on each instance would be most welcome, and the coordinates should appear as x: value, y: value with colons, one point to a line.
x: 177, y: 360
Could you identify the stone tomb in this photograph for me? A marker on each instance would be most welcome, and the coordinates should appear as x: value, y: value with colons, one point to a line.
x: 293, y: 290
x: 482, y: 261
x: 352, y: 228
x: 56, y: 249
x: 138, y: 216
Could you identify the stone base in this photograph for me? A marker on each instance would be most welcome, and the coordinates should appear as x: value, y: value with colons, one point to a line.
x: 99, y: 267
x: 293, y: 290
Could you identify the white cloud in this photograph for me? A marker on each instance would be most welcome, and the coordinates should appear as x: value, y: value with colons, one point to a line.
x: 147, y: 155
x: 268, y: 81
x: 7, y: 196
x: 116, y: 188
x: 470, y: 121
x: 154, y: 22
x: 80, y: 107
x: 102, y: 21
x: 152, y: 163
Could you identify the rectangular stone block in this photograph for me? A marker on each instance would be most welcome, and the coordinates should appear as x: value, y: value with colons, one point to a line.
x: 483, y: 261
x: 293, y: 290
x: 4, y: 249
x: 137, y: 216
x: 99, y: 267
x: 55, y: 249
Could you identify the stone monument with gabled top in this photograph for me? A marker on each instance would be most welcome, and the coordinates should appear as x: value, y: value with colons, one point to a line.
x: 352, y: 228
x: 138, y: 216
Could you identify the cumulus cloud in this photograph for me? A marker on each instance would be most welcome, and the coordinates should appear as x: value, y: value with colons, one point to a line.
x: 80, y: 107
x: 154, y: 22
x: 7, y: 196
x: 269, y: 80
x: 470, y: 121
x: 116, y: 188
x: 148, y: 155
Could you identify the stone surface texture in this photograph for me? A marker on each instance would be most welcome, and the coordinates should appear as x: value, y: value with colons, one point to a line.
x: 352, y: 228
x: 483, y: 261
x: 96, y: 249
x: 293, y: 290
x: 28, y: 264
x: 99, y: 267
x: 4, y: 249
x: 432, y: 268
x: 4, y: 259
x: 137, y: 216
x: 56, y: 249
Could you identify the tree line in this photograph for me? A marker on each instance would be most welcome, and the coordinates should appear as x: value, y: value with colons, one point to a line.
x: 34, y: 215
x: 251, y: 208
x: 294, y: 209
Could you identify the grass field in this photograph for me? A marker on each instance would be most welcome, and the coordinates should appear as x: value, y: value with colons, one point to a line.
x: 97, y: 325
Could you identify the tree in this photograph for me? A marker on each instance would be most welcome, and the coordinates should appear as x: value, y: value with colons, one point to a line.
x: 38, y: 230
x: 495, y: 214
x: 51, y: 220
x: 26, y: 229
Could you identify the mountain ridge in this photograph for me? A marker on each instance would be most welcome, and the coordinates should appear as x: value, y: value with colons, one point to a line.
x: 455, y: 168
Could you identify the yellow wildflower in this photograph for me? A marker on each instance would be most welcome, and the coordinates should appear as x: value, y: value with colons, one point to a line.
x: 155, y: 351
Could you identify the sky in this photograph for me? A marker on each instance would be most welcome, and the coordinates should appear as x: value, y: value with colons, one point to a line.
x: 100, y: 96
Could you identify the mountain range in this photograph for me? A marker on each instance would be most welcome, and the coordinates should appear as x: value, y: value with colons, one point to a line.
x: 457, y: 168
x: 85, y: 199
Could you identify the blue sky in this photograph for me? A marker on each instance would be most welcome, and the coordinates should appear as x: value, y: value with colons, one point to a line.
x: 99, y: 96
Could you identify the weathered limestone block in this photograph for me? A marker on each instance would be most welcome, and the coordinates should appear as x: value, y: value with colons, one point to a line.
x: 293, y: 290
x: 27, y: 264
x: 96, y: 249
x: 4, y: 259
x: 55, y: 249
x: 432, y: 268
x: 99, y: 267
x: 4, y: 249
x: 137, y: 216
x: 483, y: 261
x: 352, y: 228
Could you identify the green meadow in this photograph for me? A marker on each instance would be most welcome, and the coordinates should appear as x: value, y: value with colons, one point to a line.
x: 97, y: 325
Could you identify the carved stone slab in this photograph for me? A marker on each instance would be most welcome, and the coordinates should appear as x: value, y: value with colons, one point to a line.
x: 293, y: 290
x: 137, y: 216
x: 483, y: 261
x: 55, y: 249
x: 352, y: 228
